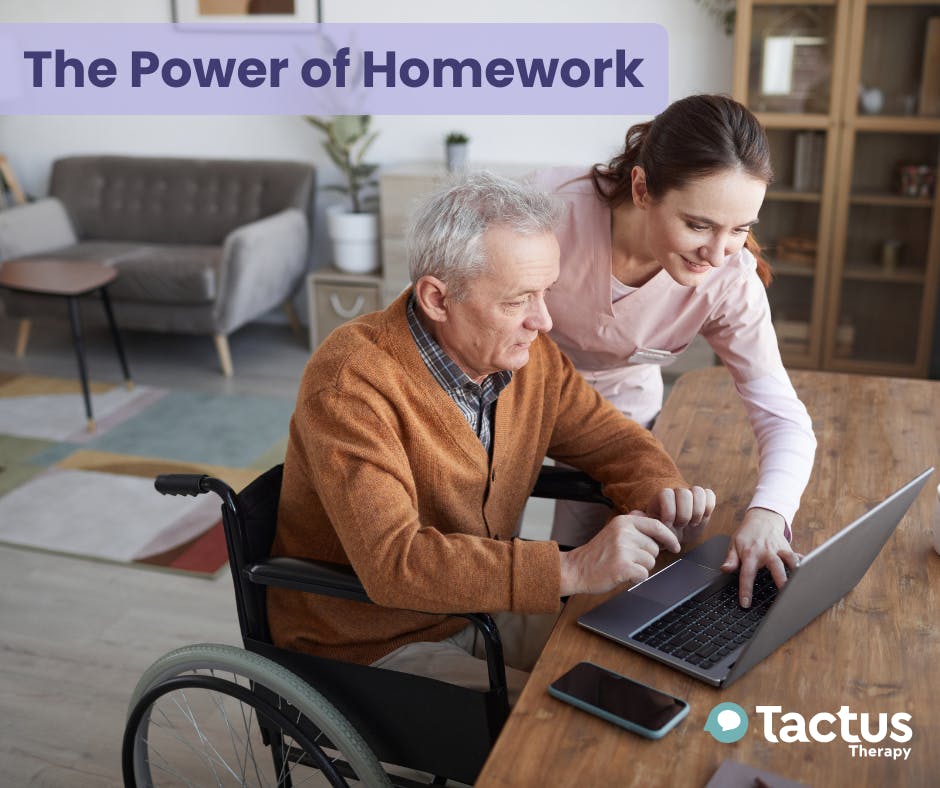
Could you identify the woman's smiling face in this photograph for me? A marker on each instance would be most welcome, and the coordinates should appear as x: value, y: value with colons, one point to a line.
x: 694, y: 229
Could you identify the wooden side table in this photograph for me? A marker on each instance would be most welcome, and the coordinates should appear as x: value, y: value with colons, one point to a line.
x: 67, y: 280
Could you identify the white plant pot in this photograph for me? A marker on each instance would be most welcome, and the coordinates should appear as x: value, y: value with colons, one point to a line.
x: 456, y: 156
x: 355, y: 238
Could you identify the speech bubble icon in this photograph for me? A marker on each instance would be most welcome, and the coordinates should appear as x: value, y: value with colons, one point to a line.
x: 727, y: 722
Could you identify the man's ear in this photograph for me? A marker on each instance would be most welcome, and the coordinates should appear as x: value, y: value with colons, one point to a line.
x: 641, y: 196
x: 431, y: 295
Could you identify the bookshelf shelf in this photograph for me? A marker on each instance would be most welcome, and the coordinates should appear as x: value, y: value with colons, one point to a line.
x: 792, y: 269
x: 887, y: 199
x: 873, y: 272
x: 791, y: 195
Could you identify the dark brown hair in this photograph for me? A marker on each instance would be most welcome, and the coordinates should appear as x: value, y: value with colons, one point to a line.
x: 692, y: 138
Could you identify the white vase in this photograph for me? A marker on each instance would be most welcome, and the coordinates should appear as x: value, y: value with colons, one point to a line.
x: 871, y: 100
x: 456, y: 156
x: 355, y: 238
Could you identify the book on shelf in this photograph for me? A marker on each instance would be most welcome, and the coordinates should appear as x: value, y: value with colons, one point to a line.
x: 808, y: 154
x: 929, y: 103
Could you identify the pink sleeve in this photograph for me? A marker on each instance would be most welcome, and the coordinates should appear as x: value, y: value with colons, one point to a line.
x: 741, y: 333
x: 785, y: 442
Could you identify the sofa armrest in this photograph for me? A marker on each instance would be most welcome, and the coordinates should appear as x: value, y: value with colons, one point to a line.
x: 261, y: 263
x: 34, y: 228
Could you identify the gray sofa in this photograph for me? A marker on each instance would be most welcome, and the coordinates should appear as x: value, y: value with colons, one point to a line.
x: 201, y: 246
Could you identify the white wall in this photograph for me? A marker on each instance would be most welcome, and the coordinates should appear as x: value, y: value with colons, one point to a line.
x: 699, y: 61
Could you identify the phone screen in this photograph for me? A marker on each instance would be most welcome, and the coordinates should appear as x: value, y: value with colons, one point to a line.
x: 620, y: 696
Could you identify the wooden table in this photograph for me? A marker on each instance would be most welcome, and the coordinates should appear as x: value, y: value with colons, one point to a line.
x: 68, y: 280
x: 878, y: 650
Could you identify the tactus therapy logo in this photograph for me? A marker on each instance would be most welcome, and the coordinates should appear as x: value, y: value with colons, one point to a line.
x: 727, y: 722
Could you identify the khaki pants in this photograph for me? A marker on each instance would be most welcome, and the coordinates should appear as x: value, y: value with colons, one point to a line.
x: 460, y: 659
x: 578, y: 522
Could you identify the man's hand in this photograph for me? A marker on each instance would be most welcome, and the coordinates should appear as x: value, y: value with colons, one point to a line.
x: 624, y: 551
x: 684, y: 510
x: 759, y: 541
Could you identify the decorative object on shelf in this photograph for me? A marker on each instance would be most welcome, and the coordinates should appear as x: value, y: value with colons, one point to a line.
x: 795, y: 69
x: 891, y: 249
x: 809, y: 151
x: 917, y: 180
x: 251, y: 11
x: 797, y: 250
x: 909, y: 103
x: 792, y: 335
x: 456, y: 145
x: 870, y: 100
x: 353, y: 228
x: 845, y: 340
x: 929, y: 103
x: 723, y: 11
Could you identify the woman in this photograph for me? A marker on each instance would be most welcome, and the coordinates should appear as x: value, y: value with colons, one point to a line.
x: 655, y: 249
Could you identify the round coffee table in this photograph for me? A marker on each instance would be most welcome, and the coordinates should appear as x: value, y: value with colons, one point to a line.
x: 68, y: 280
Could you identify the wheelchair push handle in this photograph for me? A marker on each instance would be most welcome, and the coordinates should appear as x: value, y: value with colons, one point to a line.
x: 182, y: 484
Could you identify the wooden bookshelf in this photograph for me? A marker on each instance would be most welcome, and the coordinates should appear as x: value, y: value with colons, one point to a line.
x: 875, y: 218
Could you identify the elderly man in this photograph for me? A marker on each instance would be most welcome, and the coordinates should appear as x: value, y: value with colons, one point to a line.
x: 418, y: 434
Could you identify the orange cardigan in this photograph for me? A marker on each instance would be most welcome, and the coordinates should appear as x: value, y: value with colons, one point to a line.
x: 383, y: 472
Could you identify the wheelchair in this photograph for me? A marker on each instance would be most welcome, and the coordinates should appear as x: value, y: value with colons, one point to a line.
x: 210, y: 714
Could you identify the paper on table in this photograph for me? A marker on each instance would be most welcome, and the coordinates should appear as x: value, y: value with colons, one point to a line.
x: 732, y: 774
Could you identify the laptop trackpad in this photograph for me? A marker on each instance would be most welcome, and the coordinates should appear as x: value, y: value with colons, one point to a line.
x: 676, y: 582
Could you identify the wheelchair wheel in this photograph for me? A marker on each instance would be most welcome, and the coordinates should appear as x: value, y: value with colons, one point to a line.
x: 217, y: 715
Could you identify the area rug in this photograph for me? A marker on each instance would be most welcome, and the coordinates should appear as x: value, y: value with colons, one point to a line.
x: 91, y: 495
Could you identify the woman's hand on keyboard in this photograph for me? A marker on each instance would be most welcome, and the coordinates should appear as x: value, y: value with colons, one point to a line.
x: 759, y: 541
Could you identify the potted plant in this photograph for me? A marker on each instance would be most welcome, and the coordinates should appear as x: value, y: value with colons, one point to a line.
x: 456, y: 144
x: 353, y: 227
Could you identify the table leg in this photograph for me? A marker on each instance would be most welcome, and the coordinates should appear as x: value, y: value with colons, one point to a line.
x: 116, y: 336
x: 80, y: 355
x: 22, y: 338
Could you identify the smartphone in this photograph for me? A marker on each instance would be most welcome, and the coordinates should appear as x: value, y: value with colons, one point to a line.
x: 619, y: 700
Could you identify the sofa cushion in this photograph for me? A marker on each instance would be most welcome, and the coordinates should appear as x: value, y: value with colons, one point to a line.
x: 33, y: 228
x: 175, y: 200
x: 162, y: 273
x: 107, y: 252
x: 168, y: 274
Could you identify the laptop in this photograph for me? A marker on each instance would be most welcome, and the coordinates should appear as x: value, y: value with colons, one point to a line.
x: 687, y: 615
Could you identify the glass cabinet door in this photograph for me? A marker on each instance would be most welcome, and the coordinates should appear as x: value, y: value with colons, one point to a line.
x: 882, y: 308
x: 888, y: 252
x: 899, y: 73
x: 793, y: 233
x: 791, y: 57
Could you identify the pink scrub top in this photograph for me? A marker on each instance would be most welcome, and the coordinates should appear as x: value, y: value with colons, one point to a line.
x: 620, y: 337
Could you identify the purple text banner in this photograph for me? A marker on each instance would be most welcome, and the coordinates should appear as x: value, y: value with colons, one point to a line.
x: 329, y: 69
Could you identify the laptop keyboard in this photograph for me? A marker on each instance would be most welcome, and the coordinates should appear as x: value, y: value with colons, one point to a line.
x: 703, y: 630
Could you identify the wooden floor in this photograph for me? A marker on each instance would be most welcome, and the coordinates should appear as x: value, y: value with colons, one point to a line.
x: 76, y: 635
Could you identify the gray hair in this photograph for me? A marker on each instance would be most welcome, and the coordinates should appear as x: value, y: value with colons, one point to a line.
x: 445, y: 236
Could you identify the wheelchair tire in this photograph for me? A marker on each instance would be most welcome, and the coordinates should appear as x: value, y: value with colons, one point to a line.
x: 194, y: 717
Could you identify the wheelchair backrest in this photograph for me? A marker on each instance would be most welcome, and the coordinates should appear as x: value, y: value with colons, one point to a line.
x: 251, y: 533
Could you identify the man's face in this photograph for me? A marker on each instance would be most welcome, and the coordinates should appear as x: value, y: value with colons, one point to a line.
x: 492, y: 328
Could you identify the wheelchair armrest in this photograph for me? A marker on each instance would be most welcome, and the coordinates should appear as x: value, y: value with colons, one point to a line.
x: 568, y: 484
x: 314, y: 577
x: 339, y: 580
